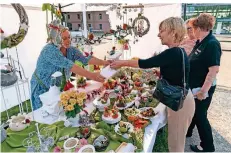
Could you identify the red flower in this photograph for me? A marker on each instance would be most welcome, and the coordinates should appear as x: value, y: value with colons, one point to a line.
x: 27, y: 121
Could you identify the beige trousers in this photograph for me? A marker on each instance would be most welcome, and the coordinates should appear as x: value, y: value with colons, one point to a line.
x: 178, y: 123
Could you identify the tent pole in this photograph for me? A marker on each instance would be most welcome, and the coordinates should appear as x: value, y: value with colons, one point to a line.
x: 185, y: 8
x: 84, y: 20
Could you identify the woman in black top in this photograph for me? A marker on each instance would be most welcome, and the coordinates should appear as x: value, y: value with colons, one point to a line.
x: 171, y: 33
x: 204, y: 65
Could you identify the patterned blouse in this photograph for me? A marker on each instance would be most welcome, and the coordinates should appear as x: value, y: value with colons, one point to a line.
x: 50, y: 61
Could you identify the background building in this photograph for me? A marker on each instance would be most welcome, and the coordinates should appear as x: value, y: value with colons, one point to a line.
x: 96, y: 20
x: 222, y: 12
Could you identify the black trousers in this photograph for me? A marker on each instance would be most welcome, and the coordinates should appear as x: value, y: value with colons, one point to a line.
x: 201, y: 121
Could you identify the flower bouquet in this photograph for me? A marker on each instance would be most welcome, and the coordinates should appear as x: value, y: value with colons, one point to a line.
x: 72, y: 102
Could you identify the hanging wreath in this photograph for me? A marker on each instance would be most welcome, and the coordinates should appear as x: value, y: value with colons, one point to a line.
x: 140, y: 30
x: 15, y: 39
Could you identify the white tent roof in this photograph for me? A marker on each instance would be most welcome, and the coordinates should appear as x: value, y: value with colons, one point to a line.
x: 77, y: 7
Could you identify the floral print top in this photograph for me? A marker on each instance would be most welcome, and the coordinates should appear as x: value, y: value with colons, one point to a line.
x: 50, y: 61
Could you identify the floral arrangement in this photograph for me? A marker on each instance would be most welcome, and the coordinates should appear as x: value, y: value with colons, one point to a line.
x: 72, y: 102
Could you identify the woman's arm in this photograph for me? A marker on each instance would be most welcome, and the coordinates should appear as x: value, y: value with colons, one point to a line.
x: 210, y: 78
x: 53, y: 55
x: 213, y: 50
x: 121, y: 63
x: 88, y: 60
x: 96, y: 61
x: 164, y: 58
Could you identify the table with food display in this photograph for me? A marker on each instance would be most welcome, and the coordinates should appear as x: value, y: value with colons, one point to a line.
x: 119, y: 115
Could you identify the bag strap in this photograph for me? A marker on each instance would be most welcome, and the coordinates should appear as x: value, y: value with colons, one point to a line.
x: 40, y: 81
x: 183, y: 63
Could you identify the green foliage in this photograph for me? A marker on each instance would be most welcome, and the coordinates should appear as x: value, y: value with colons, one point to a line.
x: 46, y: 7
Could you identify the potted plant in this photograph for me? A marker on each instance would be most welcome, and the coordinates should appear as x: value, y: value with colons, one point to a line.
x: 72, y: 103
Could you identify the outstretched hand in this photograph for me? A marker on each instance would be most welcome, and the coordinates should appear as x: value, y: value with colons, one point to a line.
x: 97, y: 77
x: 108, y: 62
x: 117, y: 64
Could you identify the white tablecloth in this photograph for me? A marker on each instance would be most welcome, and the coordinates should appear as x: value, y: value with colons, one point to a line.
x: 158, y: 121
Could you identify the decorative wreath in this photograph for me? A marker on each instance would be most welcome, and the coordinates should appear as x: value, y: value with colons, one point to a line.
x: 15, y: 39
x: 136, y: 32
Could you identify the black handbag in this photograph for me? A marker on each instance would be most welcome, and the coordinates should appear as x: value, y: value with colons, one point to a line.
x: 171, y: 96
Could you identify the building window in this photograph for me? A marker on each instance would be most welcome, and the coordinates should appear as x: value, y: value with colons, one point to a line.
x: 78, y: 16
x: 69, y: 25
x: 89, y: 16
x: 100, y: 16
x: 68, y: 16
x: 79, y: 26
x: 100, y: 26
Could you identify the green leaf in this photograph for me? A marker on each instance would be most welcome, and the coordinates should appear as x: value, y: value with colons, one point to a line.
x: 73, y: 114
x: 68, y: 114
x: 46, y: 6
x: 77, y: 109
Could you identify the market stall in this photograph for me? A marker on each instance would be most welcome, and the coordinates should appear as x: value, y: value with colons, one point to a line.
x: 123, y: 113
x: 118, y: 116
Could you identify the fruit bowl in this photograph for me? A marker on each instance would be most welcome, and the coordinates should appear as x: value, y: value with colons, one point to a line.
x: 98, y: 104
x: 124, y: 129
x: 147, y: 112
x: 110, y: 119
x: 84, y: 132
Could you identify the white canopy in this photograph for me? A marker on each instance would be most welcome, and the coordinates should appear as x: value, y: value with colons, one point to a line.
x: 102, y: 6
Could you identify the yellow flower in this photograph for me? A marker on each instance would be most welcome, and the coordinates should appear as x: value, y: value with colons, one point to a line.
x: 58, y: 12
x: 79, y: 101
x: 82, y: 95
x: 72, y: 101
x: 64, y: 96
x: 73, y: 94
x: 64, y: 102
x: 70, y: 107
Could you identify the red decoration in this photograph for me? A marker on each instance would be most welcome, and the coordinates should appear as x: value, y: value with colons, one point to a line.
x: 1, y: 31
x: 27, y: 121
x: 125, y: 46
x: 96, y: 67
x: 125, y: 26
x: 68, y: 86
x: 54, y: 27
x: 91, y: 36
x: 112, y: 31
x: 87, y: 54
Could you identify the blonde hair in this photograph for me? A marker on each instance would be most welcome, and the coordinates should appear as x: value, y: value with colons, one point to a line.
x: 204, y: 21
x: 176, y: 26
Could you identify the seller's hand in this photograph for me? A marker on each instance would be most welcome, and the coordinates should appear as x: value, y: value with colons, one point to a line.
x: 97, y: 77
x: 117, y: 64
x: 108, y: 62
x: 200, y: 95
